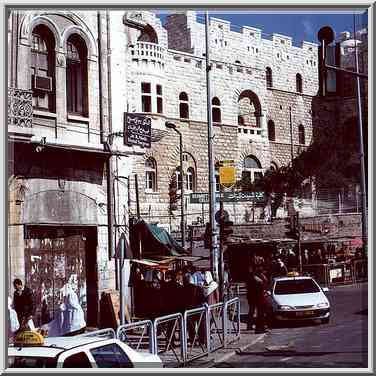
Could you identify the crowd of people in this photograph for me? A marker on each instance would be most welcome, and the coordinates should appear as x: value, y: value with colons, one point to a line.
x: 158, y: 294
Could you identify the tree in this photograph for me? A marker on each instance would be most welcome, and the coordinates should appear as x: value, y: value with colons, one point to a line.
x: 173, y: 195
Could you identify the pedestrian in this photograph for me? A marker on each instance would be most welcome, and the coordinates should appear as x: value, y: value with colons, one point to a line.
x: 194, y: 297
x: 261, y: 283
x: 251, y: 296
x: 305, y: 257
x: 23, y: 303
x: 172, y: 298
x: 13, y: 324
x: 280, y: 269
x: 198, y: 278
x: 210, y: 289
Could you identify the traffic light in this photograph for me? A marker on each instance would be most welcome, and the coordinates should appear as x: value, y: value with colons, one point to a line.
x: 292, y: 226
x: 226, y: 229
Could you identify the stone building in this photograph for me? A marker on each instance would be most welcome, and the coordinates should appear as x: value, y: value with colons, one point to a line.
x: 61, y: 211
x: 254, y: 83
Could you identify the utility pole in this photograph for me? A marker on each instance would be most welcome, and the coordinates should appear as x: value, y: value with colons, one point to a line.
x: 291, y: 137
x: 213, y: 243
x: 361, y: 148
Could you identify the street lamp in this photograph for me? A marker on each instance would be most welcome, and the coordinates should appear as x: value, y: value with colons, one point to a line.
x: 182, y: 225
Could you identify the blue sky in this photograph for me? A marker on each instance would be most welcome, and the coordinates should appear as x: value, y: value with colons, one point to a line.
x: 302, y: 26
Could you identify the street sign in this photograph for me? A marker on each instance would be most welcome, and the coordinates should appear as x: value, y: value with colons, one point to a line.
x: 203, y: 198
x: 227, y: 175
x: 137, y: 130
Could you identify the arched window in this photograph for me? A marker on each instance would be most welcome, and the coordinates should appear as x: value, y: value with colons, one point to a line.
x: 299, y: 83
x: 77, y: 96
x: 269, y: 77
x: 148, y: 34
x: 43, y: 68
x: 183, y: 106
x: 271, y: 130
x: 252, y: 169
x: 216, y: 110
x: 301, y: 134
x: 150, y: 175
x: 190, y: 180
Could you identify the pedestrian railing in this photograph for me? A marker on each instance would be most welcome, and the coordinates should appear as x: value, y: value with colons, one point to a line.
x: 138, y: 335
x: 215, y: 323
x: 170, y: 339
x: 180, y: 338
x: 195, y: 327
x: 105, y: 333
x: 232, y: 320
x: 360, y: 271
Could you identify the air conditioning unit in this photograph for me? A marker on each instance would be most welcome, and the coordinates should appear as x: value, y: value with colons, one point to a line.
x: 42, y: 83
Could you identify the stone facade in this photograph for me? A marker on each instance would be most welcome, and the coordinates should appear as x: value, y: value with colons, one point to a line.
x: 239, y: 62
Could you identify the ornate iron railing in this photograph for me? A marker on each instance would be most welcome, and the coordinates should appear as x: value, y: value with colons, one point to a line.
x: 20, y: 107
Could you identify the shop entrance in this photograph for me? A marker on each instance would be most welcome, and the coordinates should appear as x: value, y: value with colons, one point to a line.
x: 55, y: 257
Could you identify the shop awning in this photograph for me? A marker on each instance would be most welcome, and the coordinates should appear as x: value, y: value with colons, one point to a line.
x: 156, y: 241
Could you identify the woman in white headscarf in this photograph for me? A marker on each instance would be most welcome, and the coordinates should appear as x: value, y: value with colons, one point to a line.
x: 210, y: 289
x: 13, y: 323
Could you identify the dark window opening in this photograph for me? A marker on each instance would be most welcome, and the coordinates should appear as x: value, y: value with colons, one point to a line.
x: 269, y: 77
x: 299, y: 83
x: 146, y: 97
x: 76, y: 76
x: 301, y: 135
x: 271, y: 130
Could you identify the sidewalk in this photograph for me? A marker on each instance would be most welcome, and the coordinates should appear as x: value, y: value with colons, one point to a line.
x: 247, y: 339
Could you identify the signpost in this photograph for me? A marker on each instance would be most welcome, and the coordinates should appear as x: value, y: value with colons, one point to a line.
x: 137, y: 130
x: 203, y: 198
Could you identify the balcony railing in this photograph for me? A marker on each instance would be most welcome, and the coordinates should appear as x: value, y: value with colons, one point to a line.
x: 148, y: 51
x: 20, y: 107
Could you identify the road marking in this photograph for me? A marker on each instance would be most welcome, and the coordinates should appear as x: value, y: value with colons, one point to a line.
x: 285, y: 359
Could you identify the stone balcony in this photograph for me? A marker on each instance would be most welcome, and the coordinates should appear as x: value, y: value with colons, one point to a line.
x: 149, y: 52
x: 20, y: 108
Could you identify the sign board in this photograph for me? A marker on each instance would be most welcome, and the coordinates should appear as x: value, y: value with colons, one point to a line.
x: 137, y: 130
x: 203, y: 198
x: 227, y: 175
x: 226, y: 162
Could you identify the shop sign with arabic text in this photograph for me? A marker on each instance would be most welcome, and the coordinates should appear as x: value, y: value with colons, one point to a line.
x: 137, y: 130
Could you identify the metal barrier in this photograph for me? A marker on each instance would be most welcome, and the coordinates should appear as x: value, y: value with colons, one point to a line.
x: 109, y: 332
x: 231, y: 312
x: 215, y: 326
x: 340, y: 273
x: 360, y: 271
x: 177, y: 338
x: 195, y: 327
x: 138, y: 335
x: 165, y: 330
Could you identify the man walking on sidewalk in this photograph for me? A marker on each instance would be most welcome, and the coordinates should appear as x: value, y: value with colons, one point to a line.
x: 23, y: 303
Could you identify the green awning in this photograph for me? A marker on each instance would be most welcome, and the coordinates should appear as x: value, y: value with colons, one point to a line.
x: 156, y: 241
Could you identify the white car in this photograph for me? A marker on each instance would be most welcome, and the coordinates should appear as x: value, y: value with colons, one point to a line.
x: 82, y: 351
x: 299, y: 298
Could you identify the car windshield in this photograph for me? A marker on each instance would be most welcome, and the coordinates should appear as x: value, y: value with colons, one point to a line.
x: 31, y: 362
x: 296, y: 286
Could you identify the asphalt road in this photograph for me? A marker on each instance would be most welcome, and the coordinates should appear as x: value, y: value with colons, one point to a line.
x: 343, y: 343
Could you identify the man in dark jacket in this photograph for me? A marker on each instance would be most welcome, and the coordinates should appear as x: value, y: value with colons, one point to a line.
x: 194, y: 298
x: 251, y: 296
x: 23, y: 303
